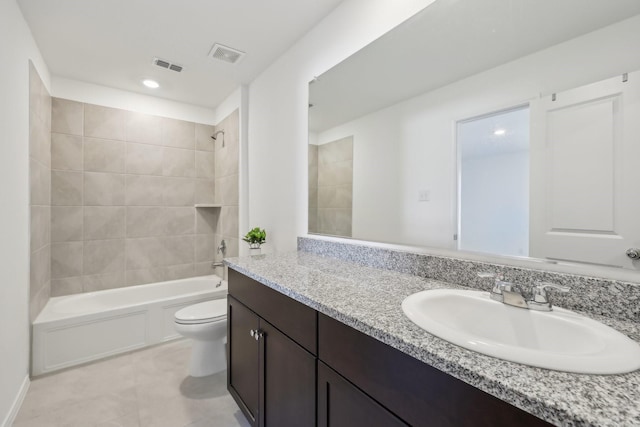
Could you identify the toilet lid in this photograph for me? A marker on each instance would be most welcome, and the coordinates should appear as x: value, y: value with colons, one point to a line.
x: 203, y: 312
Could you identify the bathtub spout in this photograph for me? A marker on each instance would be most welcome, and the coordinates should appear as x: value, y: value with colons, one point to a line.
x: 215, y: 264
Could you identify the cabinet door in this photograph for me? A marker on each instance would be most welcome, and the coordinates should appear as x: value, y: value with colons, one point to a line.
x: 243, y: 359
x: 342, y: 404
x: 288, y: 381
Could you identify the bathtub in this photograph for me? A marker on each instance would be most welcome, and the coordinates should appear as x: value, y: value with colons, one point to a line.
x: 79, y: 328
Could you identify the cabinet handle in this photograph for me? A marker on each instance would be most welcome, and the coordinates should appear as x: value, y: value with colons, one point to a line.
x: 258, y: 334
x: 252, y: 332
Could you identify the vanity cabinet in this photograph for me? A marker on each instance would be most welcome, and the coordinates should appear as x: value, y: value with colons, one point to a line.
x: 308, y: 369
x: 271, y: 376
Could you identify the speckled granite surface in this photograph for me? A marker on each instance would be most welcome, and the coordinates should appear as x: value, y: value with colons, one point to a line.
x: 611, y: 298
x: 369, y: 300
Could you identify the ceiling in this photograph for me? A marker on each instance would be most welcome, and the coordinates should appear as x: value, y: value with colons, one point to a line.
x: 113, y: 43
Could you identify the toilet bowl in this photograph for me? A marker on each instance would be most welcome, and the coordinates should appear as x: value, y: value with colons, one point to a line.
x: 206, y: 324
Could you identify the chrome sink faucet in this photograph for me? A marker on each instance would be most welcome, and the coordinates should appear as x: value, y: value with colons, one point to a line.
x: 511, y: 294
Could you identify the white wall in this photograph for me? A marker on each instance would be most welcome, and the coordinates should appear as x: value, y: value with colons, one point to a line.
x: 16, y: 49
x: 409, y: 147
x: 109, y: 97
x: 277, y: 158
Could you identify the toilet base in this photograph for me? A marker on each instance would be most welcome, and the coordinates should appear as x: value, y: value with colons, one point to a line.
x: 207, y: 358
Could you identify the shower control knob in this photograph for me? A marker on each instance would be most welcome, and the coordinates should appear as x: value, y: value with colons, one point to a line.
x: 633, y: 253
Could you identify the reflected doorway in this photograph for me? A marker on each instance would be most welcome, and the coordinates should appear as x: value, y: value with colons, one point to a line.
x: 493, y: 183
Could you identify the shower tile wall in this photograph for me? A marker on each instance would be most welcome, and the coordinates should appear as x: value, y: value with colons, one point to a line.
x: 226, y: 174
x: 313, y: 188
x: 124, y: 185
x: 40, y: 193
x: 335, y: 187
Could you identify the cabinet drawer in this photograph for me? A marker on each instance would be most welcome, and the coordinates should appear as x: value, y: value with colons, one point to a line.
x: 296, y: 320
x: 416, y: 392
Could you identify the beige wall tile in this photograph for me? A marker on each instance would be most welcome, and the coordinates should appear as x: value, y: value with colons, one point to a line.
x: 229, y: 221
x: 204, y: 269
x: 66, y: 188
x: 104, y: 222
x: 179, y: 249
x: 40, y: 230
x: 180, y: 221
x: 104, y: 189
x: 343, y: 222
x: 104, y: 122
x: 178, y: 191
x: 145, y: 252
x: 313, y: 220
x: 66, y: 152
x: 66, y: 223
x: 144, y: 159
x: 205, y: 164
x: 143, y: 128
x: 99, y: 282
x: 177, y: 162
x: 67, y: 116
x: 205, y: 247
x: 103, y: 256
x: 228, y: 190
x: 178, y: 133
x: 207, y: 220
x: 103, y: 155
x: 205, y: 191
x: 176, y: 272
x: 38, y: 301
x: 143, y: 276
x: 313, y: 197
x: 226, y: 160
x: 40, y: 183
x: 66, y: 286
x: 66, y: 260
x: 204, y: 142
x: 40, y: 140
x: 40, y: 269
x: 233, y: 248
x: 146, y: 221
x: 144, y: 190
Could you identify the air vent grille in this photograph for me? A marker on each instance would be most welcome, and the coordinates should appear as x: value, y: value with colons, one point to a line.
x: 166, y: 64
x: 226, y: 53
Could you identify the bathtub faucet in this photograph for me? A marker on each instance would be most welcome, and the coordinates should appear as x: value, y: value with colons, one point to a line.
x: 215, y: 264
x: 222, y: 248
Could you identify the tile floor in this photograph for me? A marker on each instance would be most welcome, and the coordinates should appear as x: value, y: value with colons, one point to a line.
x: 149, y: 387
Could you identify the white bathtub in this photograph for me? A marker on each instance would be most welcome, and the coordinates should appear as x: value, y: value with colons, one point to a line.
x: 79, y: 328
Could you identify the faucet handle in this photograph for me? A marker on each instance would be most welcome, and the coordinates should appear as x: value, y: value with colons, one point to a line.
x: 499, y: 286
x: 540, y: 299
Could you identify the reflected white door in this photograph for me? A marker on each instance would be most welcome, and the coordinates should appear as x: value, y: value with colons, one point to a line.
x: 585, y: 173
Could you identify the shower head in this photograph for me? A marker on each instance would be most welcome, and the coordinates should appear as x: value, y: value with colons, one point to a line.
x: 214, y: 136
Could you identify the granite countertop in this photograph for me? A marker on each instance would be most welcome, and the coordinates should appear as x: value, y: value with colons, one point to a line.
x: 369, y: 299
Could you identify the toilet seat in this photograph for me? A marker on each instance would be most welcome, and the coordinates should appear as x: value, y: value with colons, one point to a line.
x: 204, y: 312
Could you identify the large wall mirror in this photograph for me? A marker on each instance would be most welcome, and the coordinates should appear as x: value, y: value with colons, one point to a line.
x: 504, y: 127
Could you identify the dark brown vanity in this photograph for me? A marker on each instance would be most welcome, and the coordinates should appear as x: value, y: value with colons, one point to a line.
x: 290, y: 365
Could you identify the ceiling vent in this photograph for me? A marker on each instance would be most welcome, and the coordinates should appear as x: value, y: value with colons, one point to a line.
x: 166, y: 64
x: 225, y: 53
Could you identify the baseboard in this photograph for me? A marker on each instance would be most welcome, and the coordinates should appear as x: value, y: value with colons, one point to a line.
x: 17, y: 403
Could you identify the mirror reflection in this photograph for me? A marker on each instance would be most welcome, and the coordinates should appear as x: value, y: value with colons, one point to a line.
x: 505, y: 127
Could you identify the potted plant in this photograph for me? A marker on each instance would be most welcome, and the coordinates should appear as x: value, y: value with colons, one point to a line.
x: 255, y: 237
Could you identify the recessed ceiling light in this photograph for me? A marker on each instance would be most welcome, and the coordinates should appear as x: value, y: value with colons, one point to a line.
x: 499, y: 132
x: 151, y: 83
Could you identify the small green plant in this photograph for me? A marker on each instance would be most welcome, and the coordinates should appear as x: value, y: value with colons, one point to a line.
x: 255, y: 237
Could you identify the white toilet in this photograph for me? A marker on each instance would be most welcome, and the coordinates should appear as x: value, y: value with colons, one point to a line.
x: 206, y: 324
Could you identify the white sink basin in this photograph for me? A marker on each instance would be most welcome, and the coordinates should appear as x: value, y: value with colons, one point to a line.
x: 561, y: 339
